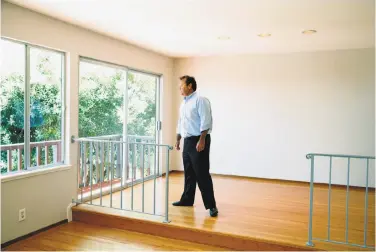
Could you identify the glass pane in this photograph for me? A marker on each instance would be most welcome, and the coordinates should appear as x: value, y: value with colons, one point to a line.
x: 142, y: 121
x: 12, y: 105
x: 101, y: 100
x: 46, y: 79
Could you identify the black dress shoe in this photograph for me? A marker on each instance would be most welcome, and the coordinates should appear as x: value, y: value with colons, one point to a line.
x: 179, y: 203
x: 213, y: 212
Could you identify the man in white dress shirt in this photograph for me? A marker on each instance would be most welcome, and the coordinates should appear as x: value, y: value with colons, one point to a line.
x: 195, y: 125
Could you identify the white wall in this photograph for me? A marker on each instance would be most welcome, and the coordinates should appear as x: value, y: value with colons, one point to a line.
x: 46, y: 197
x: 271, y: 110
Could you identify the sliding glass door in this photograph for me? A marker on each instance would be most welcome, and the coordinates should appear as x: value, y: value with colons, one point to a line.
x: 116, y: 103
x: 142, y: 97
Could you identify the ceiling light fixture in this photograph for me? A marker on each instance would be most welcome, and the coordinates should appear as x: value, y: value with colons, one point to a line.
x: 307, y: 32
x: 224, y: 38
x: 264, y: 35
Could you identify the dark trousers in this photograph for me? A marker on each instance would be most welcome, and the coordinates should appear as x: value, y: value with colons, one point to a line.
x: 196, y: 169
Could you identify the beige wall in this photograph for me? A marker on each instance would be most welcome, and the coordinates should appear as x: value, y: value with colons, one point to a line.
x: 46, y: 197
x: 271, y: 110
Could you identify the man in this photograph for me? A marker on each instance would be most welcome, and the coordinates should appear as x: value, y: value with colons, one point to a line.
x: 195, y: 125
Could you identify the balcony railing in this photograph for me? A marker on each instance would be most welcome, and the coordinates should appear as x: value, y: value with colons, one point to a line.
x: 108, y: 164
x: 40, y: 147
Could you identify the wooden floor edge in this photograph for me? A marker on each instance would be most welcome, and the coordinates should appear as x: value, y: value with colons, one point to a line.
x: 225, y: 240
x: 8, y: 243
x: 283, y: 181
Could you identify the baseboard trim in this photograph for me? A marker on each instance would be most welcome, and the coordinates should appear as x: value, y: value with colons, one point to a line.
x: 8, y: 243
x: 282, y: 181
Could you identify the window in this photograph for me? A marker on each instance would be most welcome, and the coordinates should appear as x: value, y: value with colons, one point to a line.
x: 32, y: 82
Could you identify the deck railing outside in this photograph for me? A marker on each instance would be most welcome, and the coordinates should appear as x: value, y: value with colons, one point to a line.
x: 110, y: 162
x: 312, y: 157
x: 42, y: 154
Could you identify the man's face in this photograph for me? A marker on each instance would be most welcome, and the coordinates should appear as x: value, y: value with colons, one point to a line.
x: 184, y: 89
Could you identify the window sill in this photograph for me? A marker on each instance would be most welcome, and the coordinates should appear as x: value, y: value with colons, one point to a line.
x: 32, y: 173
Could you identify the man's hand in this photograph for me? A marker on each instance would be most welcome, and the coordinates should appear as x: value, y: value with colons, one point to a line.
x: 200, y: 145
x: 177, y: 145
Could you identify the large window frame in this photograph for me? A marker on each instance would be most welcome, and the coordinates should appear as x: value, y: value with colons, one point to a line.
x: 27, y: 109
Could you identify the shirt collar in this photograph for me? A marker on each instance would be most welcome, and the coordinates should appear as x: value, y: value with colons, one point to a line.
x: 190, y: 96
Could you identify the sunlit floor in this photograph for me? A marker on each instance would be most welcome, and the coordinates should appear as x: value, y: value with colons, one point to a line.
x: 271, y: 210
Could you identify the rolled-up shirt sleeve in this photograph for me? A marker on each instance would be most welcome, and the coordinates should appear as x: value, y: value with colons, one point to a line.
x: 204, y: 111
x: 178, y: 128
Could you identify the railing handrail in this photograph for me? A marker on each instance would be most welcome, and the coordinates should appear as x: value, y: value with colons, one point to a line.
x: 310, y: 155
x: 83, y: 139
x: 32, y: 144
x: 141, y: 137
x: 119, y: 135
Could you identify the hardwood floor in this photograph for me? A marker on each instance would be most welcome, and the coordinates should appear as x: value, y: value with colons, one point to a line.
x: 268, y: 210
x: 76, y: 236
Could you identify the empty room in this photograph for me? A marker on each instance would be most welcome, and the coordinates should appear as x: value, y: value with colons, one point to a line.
x: 187, y: 125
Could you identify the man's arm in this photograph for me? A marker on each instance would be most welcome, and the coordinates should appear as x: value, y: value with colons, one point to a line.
x: 178, y: 135
x: 203, y: 135
x: 204, y: 111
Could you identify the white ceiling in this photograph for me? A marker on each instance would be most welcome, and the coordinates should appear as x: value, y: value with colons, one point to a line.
x: 182, y: 28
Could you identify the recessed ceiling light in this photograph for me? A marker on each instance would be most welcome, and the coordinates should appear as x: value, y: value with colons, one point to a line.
x: 264, y: 35
x: 309, y: 31
x: 224, y: 38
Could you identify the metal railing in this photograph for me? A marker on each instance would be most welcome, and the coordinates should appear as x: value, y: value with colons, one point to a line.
x: 107, y: 164
x: 312, y: 156
x: 42, y: 154
x: 136, y: 139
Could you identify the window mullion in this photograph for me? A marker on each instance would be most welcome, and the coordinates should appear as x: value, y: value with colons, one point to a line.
x: 27, y: 150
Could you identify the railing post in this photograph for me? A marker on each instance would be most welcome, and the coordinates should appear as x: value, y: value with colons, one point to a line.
x: 97, y: 169
x: 46, y: 155
x: 103, y: 161
x: 58, y: 154
x: 91, y: 171
x: 142, y: 168
x: 133, y: 170
x: 9, y: 165
x: 167, y: 183
x: 309, y: 243
x: 82, y: 171
x: 39, y: 154
x: 85, y: 166
x: 54, y: 154
x: 121, y: 177
x: 366, y: 207
x: 155, y: 181
x: 347, y: 201
x: 19, y: 161
x: 112, y: 171
x: 329, y: 196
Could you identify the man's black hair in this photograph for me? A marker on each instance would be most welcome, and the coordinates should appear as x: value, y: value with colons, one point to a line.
x: 189, y: 80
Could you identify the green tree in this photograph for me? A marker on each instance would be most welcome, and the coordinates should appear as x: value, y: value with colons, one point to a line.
x: 98, y: 107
